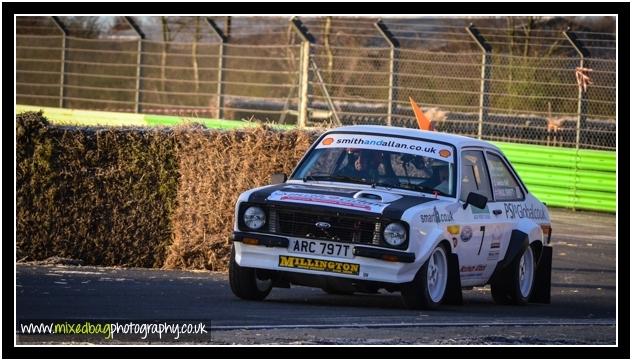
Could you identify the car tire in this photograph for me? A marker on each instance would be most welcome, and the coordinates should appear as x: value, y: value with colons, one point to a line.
x: 516, y: 287
x: 244, y: 281
x: 428, y: 288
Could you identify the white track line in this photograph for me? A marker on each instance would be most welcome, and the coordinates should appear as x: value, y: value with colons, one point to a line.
x: 420, y: 324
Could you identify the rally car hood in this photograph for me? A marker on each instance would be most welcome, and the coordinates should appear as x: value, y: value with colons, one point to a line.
x: 350, y: 200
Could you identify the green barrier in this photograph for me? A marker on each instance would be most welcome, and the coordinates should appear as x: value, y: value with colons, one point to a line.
x: 170, y: 120
x: 562, y: 198
x: 549, y: 176
x: 64, y: 116
x: 564, y: 157
x: 563, y: 177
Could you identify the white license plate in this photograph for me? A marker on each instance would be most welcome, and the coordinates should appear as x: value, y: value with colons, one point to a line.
x: 321, y: 248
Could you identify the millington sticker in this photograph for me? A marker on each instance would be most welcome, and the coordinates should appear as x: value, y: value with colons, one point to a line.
x: 319, y: 265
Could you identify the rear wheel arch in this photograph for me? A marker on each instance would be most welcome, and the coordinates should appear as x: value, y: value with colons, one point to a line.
x: 537, y: 250
x: 508, y: 280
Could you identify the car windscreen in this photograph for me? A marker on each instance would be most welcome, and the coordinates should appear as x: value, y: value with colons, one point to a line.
x: 382, y: 161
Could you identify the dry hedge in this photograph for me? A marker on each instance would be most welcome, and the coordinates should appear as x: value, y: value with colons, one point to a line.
x: 104, y: 196
x: 140, y: 197
x: 214, y: 168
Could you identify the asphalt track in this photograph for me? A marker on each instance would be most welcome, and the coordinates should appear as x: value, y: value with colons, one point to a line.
x: 582, y: 311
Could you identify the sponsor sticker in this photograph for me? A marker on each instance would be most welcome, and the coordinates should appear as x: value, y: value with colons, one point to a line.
x: 471, y: 275
x: 496, y: 235
x: 328, y: 141
x: 327, y: 200
x: 473, y: 268
x: 454, y: 229
x: 478, y: 213
x: 513, y: 211
x: 474, y: 271
x: 313, y: 264
x: 436, y: 217
x: 466, y: 233
x: 493, y: 255
x: 393, y: 144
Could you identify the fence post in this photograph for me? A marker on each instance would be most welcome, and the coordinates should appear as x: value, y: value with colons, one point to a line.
x: 304, y: 70
x: 220, y: 65
x: 581, y: 105
x: 139, y: 61
x: 485, y: 75
x: 393, y: 67
x: 62, y: 73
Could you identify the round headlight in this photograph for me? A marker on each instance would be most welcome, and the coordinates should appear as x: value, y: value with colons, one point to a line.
x: 254, y: 217
x: 395, y: 234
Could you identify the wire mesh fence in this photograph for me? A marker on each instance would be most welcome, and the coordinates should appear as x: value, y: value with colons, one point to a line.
x: 524, y: 90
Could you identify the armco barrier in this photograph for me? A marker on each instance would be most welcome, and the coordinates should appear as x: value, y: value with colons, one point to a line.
x: 562, y: 177
x: 64, y: 116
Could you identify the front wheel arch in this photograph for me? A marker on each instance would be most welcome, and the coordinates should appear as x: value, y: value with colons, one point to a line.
x: 446, y: 245
x: 417, y: 294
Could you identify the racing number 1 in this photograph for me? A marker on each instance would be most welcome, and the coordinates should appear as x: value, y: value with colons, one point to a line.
x: 482, y: 238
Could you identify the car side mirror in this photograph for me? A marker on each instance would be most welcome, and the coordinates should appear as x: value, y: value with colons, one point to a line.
x: 278, y: 178
x: 475, y: 199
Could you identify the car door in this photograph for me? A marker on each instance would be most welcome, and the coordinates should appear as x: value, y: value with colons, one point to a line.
x: 507, y: 194
x: 474, y: 236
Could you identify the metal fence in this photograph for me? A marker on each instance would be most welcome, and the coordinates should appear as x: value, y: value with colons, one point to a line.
x: 524, y: 90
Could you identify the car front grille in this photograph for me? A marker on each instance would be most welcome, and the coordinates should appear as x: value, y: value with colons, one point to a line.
x: 302, y: 223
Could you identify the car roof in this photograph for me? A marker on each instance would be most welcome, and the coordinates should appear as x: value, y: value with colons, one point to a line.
x: 458, y: 141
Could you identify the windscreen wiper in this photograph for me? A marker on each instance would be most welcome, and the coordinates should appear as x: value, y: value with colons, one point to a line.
x: 383, y: 184
x: 421, y: 188
x: 440, y: 192
x: 426, y: 189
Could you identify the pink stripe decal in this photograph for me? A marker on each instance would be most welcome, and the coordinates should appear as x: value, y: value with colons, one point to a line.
x: 326, y: 201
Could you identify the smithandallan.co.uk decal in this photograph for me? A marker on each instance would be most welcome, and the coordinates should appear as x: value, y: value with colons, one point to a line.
x: 392, y: 144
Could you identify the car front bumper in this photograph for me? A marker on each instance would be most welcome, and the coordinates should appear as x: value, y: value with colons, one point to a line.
x: 270, y: 252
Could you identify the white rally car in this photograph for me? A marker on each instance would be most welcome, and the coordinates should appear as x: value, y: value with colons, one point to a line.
x: 423, y: 213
